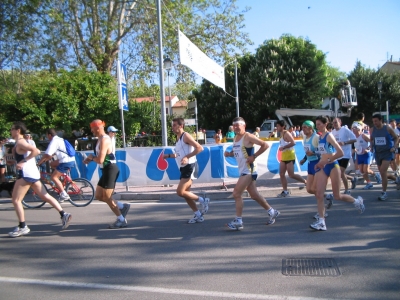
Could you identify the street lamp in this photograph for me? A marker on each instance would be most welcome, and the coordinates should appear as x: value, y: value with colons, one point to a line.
x: 380, y: 89
x: 168, y: 64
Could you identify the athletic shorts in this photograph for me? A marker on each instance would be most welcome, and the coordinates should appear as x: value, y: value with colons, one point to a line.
x: 329, y: 167
x: 381, y: 156
x: 2, y: 166
x: 288, y: 161
x: 64, y: 167
x: 20, y: 175
x: 343, y: 162
x: 364, y: 159
x: 187, y: 171
x: 253, y: 176
x: 109, y: 176
x: 311, y: 167
x: 288, y: 155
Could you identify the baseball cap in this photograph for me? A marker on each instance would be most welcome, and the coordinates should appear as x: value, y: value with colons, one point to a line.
x: 112, y: 128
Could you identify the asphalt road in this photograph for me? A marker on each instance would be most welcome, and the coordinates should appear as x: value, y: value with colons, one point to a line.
x: 159, y: 256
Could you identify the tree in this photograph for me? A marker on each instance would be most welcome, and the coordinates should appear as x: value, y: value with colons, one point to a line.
x: 365, y: 80
x: 288, y: 72
x: 95, y: 33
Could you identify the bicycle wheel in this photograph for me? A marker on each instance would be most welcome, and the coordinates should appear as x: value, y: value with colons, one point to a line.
x: 32, y: 200
x: 80, y: 191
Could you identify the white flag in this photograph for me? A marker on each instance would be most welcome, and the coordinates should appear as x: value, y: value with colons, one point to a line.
x: 192, y: 57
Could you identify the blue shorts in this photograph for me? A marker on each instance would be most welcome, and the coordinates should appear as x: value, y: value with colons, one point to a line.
x: 329, y: 167
x: 364, y: 159
x: 311, y: 167
x: 64, y: 167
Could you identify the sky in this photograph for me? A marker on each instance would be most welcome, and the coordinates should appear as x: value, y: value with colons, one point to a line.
x: 347, y: 31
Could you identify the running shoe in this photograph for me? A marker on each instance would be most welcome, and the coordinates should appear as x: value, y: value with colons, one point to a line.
x: 19, y: 231
x: 316, y: 216
x: 359, y: 204
x: 125, y: 209
x: 204, y: 206
x: 368, y: 186
x: 378, y: 178
x: 318, y: 225
x: 62, y: 198
x: 65, y: 219
x: 354, y: 183
x: 118, y: 224
x: 235, y: 225
x: 283, y: 194
x: 272, y: 217
x: 358, y: 173
x: 196, y: 219
x: 329, y: 200
x: 347, y: 192
x: 383, y: 196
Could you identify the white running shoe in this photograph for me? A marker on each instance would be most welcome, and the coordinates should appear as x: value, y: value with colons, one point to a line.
x: 283, y: 194
x: 316, y: 216
x: 368, y: 186
x: 378, y: 178
x: 359, y: 204
x: 62, y: 198
x: 329, y: 200
x: 235, y: 225
x: 204, y: 206
x: 196, y: 219
x: 318, y: 225
x: 273, y: 217
x: 19, y: 231
x: 118, y: 224
x: 125, y: 209
x: 66, y: 218
x: 383, y: 196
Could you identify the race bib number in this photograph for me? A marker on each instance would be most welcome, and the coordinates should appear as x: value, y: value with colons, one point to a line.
x: 321, y: 149
x: 380, y: 141
x: 307, y: 147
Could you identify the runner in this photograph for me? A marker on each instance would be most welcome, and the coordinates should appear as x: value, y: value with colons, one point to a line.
x: 364, y: 155
x: 345, y: 138
x: 186, y: 149
x: 243, y: 151
x: 28, y: 177
x: 310, y: 141
x: 328, y: 167
x: 105, y: 159
x: 383, y: 140
x: 288, y: 158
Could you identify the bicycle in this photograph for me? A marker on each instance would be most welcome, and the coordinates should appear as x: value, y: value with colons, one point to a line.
x: 80, y: 191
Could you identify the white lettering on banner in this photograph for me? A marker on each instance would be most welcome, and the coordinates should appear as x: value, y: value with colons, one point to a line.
x: 192, y: 57
x: 141, y: 166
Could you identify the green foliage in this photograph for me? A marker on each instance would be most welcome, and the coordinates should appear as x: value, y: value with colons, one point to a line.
x: 288, y: 72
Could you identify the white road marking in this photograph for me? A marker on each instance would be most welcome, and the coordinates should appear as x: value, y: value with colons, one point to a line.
x: 152, y: 289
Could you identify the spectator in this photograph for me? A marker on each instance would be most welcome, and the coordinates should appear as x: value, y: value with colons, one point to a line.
x: 256, y: 133
x: 273, y: 134
x: 3, y: 152
x: 28, y: 138
x: 112, y: 132
x: 230, y: 135
x: 218, y: 136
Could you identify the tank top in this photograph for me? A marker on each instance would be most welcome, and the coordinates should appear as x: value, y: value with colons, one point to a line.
x: 360, y: 145
x: 241, y: 154
x: 29, y: 169
x: 282, y: 142
x: 324, y: 147
x: 110, y: 158
x: 383, y: 141
x: 311, y: 144
x: 182, y: 149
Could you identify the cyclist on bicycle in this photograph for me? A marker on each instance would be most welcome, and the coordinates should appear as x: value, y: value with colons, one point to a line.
x: 105, y: 158
x: 59, y: 166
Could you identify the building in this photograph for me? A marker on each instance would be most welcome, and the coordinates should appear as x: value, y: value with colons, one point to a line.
x: 390, y: 67
x: 179, y: 107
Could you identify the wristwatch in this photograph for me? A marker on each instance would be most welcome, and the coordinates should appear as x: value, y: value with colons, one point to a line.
x: 329, y: 159
x: 24, y: 160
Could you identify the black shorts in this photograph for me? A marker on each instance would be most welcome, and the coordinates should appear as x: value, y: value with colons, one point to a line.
x: 288, y: 161
x: 2, y: 166
x: 344, y: 162
x: 187, y: 171
x: 109, y: 176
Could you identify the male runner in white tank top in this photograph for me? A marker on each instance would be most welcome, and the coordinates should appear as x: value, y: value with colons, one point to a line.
x: 185, y: 154
x: 243, y: 151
